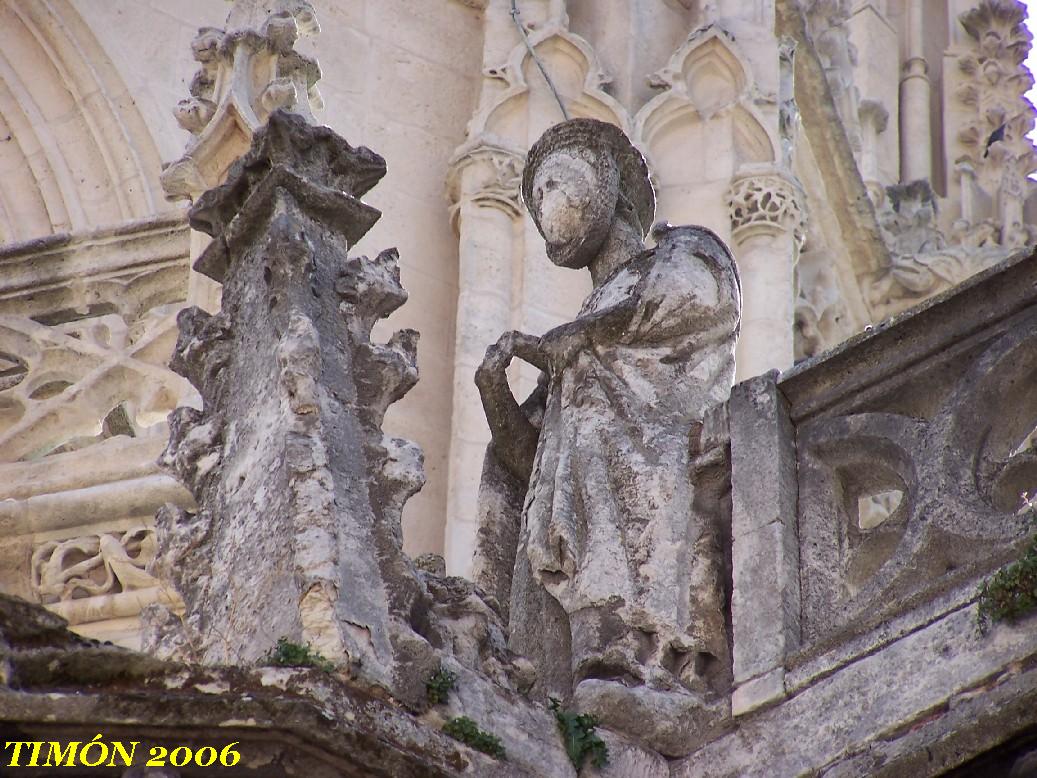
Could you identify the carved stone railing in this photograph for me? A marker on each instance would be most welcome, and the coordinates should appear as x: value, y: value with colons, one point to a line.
x: 87, y: 323
x: 874, y: 486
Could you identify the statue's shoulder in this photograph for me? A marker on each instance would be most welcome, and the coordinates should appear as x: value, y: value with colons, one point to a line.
x: 694, y: 244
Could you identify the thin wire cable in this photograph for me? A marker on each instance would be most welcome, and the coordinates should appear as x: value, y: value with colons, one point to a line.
x: 536, y: 59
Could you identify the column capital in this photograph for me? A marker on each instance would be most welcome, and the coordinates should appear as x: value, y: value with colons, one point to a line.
x: 487, y: 172
x: 768, y: 200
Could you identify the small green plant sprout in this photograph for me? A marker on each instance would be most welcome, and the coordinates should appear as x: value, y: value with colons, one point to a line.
x: 467, y: 731
x: 439, y: 685
x: 1011, y: 592
x: 289, y: 654
x: 577, y: 730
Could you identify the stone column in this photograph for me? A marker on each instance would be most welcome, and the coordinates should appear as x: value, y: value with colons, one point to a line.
x: 767, y: 229
x: 874, y: 120
x: 969, y: 194
x: 915, y: 132
x: 484, y: 186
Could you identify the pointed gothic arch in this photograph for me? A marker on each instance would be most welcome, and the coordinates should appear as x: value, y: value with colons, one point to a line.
x: 576, y: 73
x: 704, y: 125
x: 74, y: 150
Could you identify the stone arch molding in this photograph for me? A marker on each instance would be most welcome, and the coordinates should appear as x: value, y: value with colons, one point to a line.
x: 707, y: 80
x: 510, y: 122
x: 74, y: 149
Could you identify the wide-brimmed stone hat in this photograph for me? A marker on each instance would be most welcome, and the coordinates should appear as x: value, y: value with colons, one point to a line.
x: 634, y: 180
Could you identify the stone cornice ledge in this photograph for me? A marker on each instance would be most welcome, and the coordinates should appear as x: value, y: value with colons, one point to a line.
x: 919, y: 706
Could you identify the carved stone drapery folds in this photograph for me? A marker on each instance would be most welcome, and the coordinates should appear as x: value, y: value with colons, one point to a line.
x: 498, y: 266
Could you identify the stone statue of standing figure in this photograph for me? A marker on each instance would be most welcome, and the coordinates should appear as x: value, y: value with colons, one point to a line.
x: 617, y: 590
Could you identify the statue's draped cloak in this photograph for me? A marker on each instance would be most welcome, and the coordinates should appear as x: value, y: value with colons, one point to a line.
x: 608, y: 521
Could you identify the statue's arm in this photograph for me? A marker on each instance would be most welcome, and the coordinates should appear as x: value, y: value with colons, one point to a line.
x: 597, y: 328
x: 513, y: 435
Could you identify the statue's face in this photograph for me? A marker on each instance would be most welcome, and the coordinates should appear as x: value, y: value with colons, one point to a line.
x: 573, y: 206
x: 562, y: 192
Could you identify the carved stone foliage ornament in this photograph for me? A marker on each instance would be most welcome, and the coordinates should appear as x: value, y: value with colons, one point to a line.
x: 247, y: 71
x: 494, y: 177
x: 92, y: 565
x: 996, y: 156
x: 922, y: 261
x: 769, y: 202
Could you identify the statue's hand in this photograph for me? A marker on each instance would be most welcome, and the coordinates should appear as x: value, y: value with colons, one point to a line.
x: 499, y: 355
x: 560, y: 345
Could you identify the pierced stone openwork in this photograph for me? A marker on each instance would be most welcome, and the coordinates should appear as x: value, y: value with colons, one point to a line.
x: 767, y: 201
x: 92, y: 565
x: 917, y: 484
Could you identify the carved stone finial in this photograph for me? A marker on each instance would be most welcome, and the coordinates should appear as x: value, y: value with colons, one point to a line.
x: 298, y: 490
x: 247, y: 71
